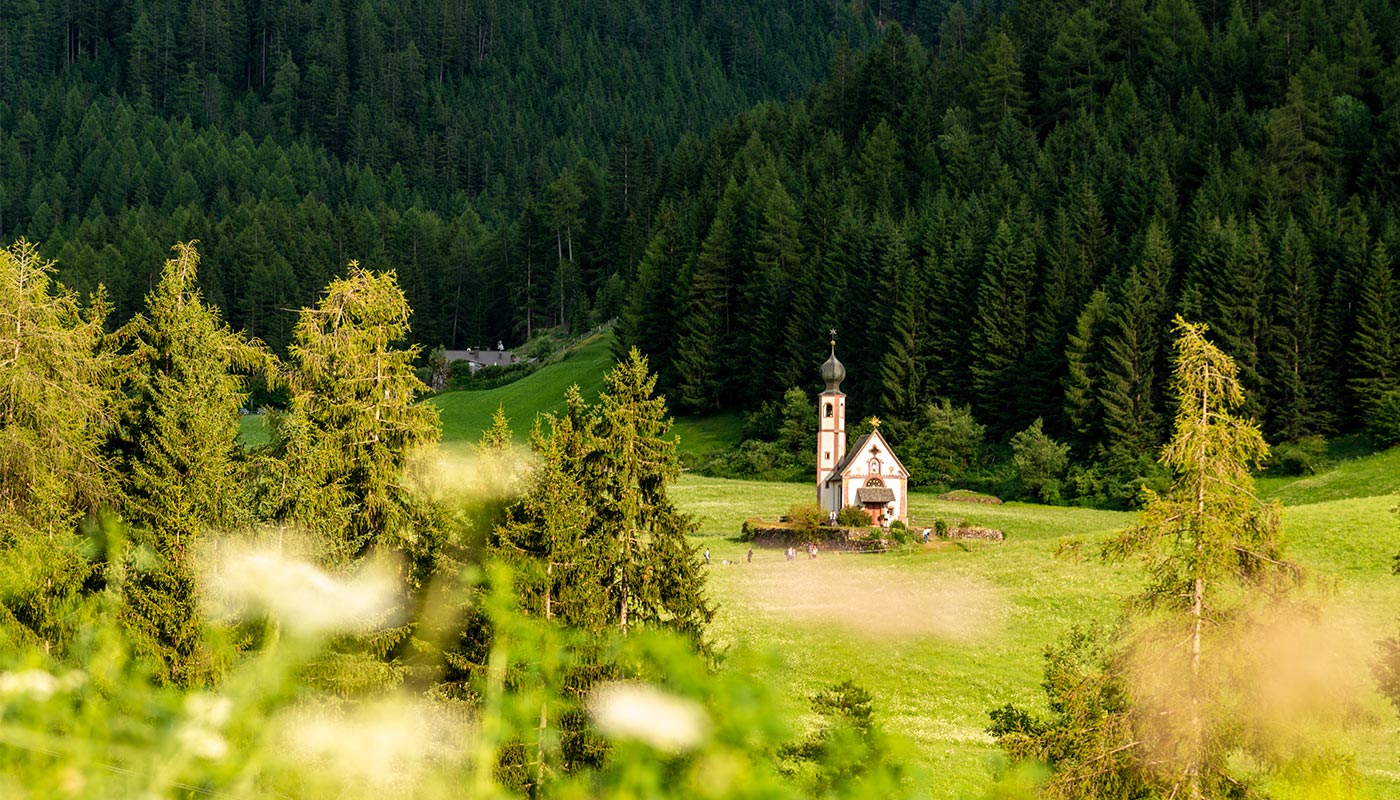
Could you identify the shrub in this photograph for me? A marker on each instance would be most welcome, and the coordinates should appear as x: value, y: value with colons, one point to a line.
x: 940, y: 528
x: 947, y: 444
x: 805, y: 518
x: 900, y: 533
x: 853, y: 517
x: 1306, y: 456
x: 1040, y: 462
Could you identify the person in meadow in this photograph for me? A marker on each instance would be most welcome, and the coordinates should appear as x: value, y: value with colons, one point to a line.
x: 750, y: 555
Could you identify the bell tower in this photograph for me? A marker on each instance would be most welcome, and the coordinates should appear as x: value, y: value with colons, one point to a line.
x: 831, y: 430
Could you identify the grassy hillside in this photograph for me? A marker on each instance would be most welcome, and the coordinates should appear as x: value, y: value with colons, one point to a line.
x: 466, y: 414
x: 941, y: 636
x: 1365, y: 476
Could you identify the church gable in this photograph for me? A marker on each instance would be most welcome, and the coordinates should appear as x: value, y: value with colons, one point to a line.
x: 871, y: 457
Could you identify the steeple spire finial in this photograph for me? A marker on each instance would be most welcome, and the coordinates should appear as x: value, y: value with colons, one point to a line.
x: 833, y: 372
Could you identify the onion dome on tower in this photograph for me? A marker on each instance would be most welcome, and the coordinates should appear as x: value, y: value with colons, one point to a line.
x: 833, y: 372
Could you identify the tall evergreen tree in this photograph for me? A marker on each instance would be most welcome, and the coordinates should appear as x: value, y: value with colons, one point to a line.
x: 705, y: 330
x: 1376, y: 350
x: 353, y: 422
x: 903, y: 370
x: 1083, y: 377
x: 1128, y: 392
x: 1001, y: 329
x: 1291, y: 358
x: 178, y: 456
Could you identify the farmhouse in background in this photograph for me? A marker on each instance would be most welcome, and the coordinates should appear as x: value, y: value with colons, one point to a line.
x: 868, y: 475
x: 483, y: 357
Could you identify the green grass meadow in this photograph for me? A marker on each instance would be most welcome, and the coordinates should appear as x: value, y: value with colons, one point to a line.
x: 942, y: 635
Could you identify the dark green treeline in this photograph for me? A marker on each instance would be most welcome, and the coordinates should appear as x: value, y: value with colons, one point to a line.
x: 1009, y: 216
x: 474, y: 145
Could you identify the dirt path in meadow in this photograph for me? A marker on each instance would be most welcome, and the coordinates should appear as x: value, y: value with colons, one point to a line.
x: 871, y: 598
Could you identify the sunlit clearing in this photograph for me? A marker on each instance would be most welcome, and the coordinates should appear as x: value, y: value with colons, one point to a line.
x: 644, y: 713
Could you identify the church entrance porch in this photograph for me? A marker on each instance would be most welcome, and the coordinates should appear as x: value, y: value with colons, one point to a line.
x: 874, y: 498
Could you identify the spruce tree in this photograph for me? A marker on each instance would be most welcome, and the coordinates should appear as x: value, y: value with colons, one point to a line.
x: 1083, y: 362
x: 1000, y: 333
x: 178, y: 456
x: 903, y: 370
x: 1376, y: 349
x: 1293, y: 373
x: 601, y: 543
x: 705, y: 326
x: 1127, y: 390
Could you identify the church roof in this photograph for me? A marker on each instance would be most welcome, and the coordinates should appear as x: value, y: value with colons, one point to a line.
x: 859, y: 447
x: 875, y: 494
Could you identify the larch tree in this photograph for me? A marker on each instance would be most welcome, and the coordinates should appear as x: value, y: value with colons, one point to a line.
x: 353, y: 422
x: 57, y: 399
x: 1173, y: 704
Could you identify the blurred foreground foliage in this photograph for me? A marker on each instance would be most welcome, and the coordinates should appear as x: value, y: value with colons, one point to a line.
x: 97, y: 721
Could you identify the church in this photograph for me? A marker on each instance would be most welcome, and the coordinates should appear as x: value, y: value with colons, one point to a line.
x: 868, y: 475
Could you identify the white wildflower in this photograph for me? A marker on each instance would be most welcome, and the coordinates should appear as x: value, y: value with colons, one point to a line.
x: 202, y: 742
x: 385, y: 745
x: 647, y: 714
x: 298, y: 593
x: 205, y: 717
x: 37, y: 684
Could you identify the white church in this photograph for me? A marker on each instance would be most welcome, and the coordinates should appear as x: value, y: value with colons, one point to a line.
x: 868, y: 475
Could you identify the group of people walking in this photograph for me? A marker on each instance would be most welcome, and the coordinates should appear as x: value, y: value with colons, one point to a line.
x: 790, y: 552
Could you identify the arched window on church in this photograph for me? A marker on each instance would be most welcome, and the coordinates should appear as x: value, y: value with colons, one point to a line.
x: 874, y: 483
x: 873, y: 467
x: 828, y: 411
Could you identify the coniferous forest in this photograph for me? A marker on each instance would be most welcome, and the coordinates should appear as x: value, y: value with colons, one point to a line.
x: 999, y: 210
x: 1099, y: 254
